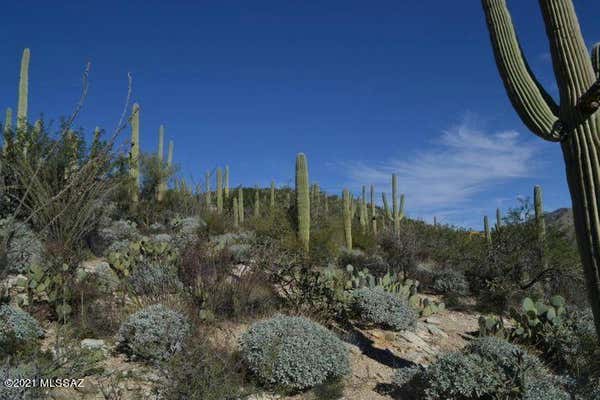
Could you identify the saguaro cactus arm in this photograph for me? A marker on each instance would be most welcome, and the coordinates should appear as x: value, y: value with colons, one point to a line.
x: 596, y: 59
x: 533, y: 104
x: 23, y: 91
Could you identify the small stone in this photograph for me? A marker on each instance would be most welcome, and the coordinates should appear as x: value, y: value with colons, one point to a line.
x: 433, y: 320
x: 434, y: 330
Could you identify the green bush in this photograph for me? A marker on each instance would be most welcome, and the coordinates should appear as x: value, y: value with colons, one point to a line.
x: 489, y: 368
x: 154, y: 333
x: 154, y: 278
x: 450, y: 282
x: 17, y: 329
x: 382, y: 308
x: 293, y: 353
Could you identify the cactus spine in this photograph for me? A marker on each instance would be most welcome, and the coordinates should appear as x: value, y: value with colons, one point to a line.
x: 395, y: 209
x: 486, y: 228
x: 134, y: 155
x: 227, y: 182
x: 303, y: 200
x: 219, y: 191
x: 23, y: 92
x: 347, y: 215
x: 161, y: 183
x: 574, y: 123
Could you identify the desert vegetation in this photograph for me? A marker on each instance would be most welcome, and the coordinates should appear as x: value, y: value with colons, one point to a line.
x: 119, y: 279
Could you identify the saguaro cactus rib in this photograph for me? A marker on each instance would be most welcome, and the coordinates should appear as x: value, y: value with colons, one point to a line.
x: 596, y: 59
x: 533, y: 104
x: 575, y: 76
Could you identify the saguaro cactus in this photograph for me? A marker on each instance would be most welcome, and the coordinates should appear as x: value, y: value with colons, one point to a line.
x: 236, y: 216
x: 386, y: 207
x: 373, y: 215
x: 256, y: 202
x: 363, y: 208
x: 498, y: 219
x: 23, y: 91
x: 207, y: 185
x: 347, y: 215
x: 486, y: 229
x: 8, y: 121
x: 170, y: 155
x: 227, y: 181
x: 241, y: 204
x: 219, y: 191
x: 574, y: 123
x: 303, y: 200
x: 540, y: 222
x: 134, y: 155
x: 272, y: 202
x: 161, y: 184
x: 395, y: 209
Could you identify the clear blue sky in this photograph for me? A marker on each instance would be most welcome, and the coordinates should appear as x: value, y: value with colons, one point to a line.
x: 362, y: 88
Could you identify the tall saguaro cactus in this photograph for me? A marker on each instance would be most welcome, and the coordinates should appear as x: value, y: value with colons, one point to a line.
x: 386, y: 207
x: 486, y: 229
x: 23, y: 91
x: 395, y: 209
x: 170, y: 155
x: 347, y: 215
x: 219, y: 191
x: 540, y: 222
x: 272, y: 202
x: 574, y: 123
x: 498, y: 219
x: 303, y: 200
x: 373, y: 216
x: 207, y: 185
x: 236, y: 215
x: 134, y: 155
x: 161, y: 144
x: 241, y: 205
x: 227, y: 181
x: 256, y: 202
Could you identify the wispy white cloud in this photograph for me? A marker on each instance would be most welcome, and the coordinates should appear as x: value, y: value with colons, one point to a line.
x: 460, y: 164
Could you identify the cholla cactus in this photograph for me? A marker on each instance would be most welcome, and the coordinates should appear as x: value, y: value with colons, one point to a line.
x: 574, y: 123
x: 23, y: 92
x: 303, y: 200
x: 347, y: 215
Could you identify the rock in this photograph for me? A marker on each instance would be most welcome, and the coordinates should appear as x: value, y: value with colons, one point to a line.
x: 95, y: 345
x: 433, y: 320
x: 263, y: 396
x: 434, y: 330
x: 416, y: 341
x: 240, y: 270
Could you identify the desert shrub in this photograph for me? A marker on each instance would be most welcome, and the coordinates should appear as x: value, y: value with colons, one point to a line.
x: 489, y: 368
x: 17, y: 328
x: 154, y: 278
x: 23, y: 246
x: 154, y: 333
x: 202, y: 372
x: 293, y: 353
x: 382, y: 308
x: 116, y: 236
x: 186, y: 230
x: 400, y: 249
x: 14, y: 372
x: 222, y: 289
x: 375, y: 264
x: 450, y: 282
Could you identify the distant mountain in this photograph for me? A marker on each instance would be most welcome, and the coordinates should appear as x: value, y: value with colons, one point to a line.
x: 562, y: 219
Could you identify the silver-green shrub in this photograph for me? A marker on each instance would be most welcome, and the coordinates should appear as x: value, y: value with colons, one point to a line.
x: 154, y: 278
x: 17, y: 328
x: 450, y: 282
x: 24, y: 247
x: 293, y: 353
x: 376, y: 306
x: 488, y: 368
x: 154, y: 333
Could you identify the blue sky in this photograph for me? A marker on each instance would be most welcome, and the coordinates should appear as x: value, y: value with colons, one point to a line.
x: 363, y: 89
